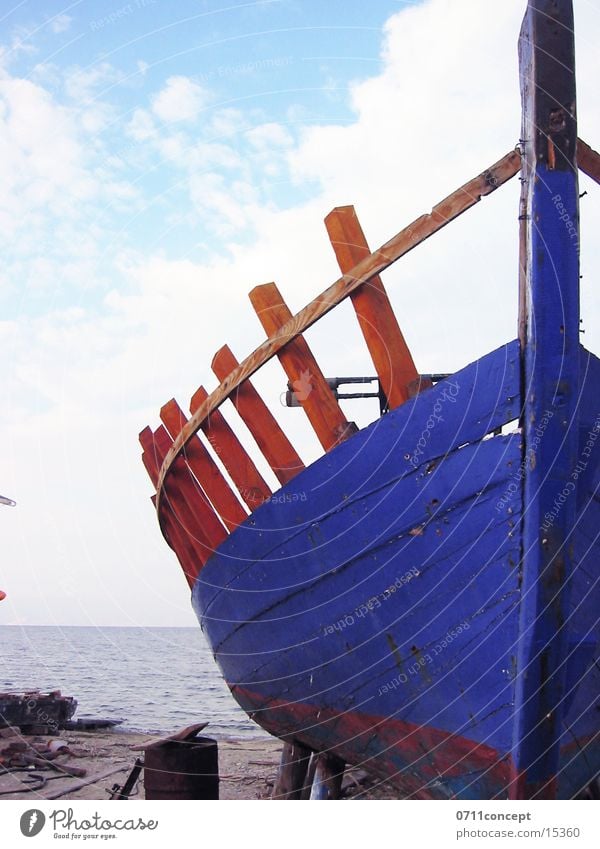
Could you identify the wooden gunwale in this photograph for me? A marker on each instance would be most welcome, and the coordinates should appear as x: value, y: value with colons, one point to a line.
x: 364, y: 271
x: 417, y: 232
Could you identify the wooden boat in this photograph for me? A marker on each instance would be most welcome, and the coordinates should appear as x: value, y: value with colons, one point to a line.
x: 422, y: 600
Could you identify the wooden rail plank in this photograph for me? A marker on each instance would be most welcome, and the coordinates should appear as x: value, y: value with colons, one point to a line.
x: 205, y: 469
x: 272, y: 441
x: 391, y: 356
x: 192, y: 505
x: 195, y: 518
x: 172, y: 532
x: 421, y: 229
x: 182, y: 543
x: 588, y: 160
x: 232, y: 454
x: 303, y: 371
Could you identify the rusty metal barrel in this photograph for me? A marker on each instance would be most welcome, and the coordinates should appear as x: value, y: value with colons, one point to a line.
x: 182, y: 769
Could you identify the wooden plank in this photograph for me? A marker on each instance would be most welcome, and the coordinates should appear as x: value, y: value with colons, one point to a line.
x: 272, y: 441
x: 205, y: 469
x: 329, y: 775
x: 179, y: 541
x: 588, y: 160
x: 303, y: 371
x: 421, y: 229
x: 186, y: 531
x: 551, y: 355
x: 292, y: 772
x: 391, y: 357
x: 191, y: 504
x: 240, y: 467
x: 79, y: 785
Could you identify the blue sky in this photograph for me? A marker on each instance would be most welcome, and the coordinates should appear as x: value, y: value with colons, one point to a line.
x: 157, y: 161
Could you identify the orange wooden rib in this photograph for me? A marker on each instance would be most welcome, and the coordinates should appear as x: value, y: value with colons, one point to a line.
x: 232, y: 454
x: 183, y: 544
x: 205, y: 469
x: 172, y: 533
x: 191, y: 504
x: 390, y: 354
x: 272, y: 441
x: 588, y: 160
x: 309, y: 384
x: 178, y: 498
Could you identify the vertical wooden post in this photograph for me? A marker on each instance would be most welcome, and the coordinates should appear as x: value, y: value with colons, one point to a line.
x: 232, y: 454
x: 191, y: 503
x: 549, y: 328
x: 329, y: 774
x: 272, y: 441
x: 312, y: 390
x: 181, y: 541
x: 205, y: 469
x: 391, y: 357
x: 292, y: 771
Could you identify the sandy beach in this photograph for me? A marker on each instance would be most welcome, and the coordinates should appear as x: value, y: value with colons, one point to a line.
x: 247, y: 768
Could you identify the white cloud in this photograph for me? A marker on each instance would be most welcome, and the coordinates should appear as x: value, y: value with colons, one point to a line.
x: 40, y: 151
x: 227, y: 122
x: 180, y: 100
x: 61, y: 23
x: 20, y: 45
x: 268, y: 136
x: 228, y: 207
x: 141, y: 127
x: 81, y: 83
x: 207, y: 155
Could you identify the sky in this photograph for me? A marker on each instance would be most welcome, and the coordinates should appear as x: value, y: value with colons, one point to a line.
x: 160, y: 159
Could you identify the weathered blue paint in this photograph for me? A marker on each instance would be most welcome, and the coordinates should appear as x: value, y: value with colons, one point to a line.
x: 390, y: 594
x: 551, y: 372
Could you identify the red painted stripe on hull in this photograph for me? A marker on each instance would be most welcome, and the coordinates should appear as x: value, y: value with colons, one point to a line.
x: 417, y: 759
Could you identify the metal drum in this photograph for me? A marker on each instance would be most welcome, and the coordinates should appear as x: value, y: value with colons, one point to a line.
x: 182, y: 769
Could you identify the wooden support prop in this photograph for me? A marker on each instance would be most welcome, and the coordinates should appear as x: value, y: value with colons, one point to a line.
x: 191, y: 503
x: 232, y: 454
x: 188, y: 550
x: 65, y: 768
x: 303, y: 371
x: 79, y: 785
x: 292, y: 771
x: 205, y: 469
x: 329, y: 774
x: 450, y: 208
x: 388, y: 349
x: 272, y: 441
x: 310, y: 777
x: 588, y: 160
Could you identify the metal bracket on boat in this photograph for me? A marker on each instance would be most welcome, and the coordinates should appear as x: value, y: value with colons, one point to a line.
x: 292, y: 398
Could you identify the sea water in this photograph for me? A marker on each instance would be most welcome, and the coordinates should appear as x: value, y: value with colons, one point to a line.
x: 154, y: 679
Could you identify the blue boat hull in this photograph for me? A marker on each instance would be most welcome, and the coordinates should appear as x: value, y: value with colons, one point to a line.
x: 372, y: 608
